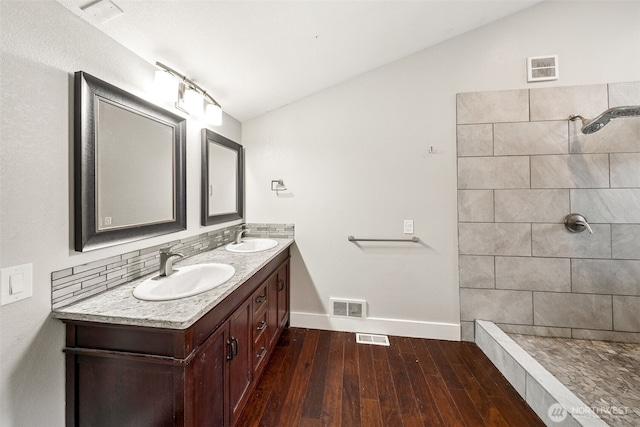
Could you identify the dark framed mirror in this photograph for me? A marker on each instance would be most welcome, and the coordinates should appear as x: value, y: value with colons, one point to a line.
x: 222, y: 197
x: 130, y: 170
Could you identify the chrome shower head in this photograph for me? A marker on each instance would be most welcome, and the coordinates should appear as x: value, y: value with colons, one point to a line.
x: 594, y: 125
x: 591, y: 125
x: 628, y: 111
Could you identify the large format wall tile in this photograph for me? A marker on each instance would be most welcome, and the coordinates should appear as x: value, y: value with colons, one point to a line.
x: 554, y: 240
x: 493, y: 172
x: 498, y: 305
x: 570, y: 171
x: 475, y: 205
x: 558, y: 103
x: 529, y: 273
x: 544, y: 331
x: 572, y: 310
x: 467, y: 331
x: 626, y: 314
x: 476, y: 271
x: 531, y: 138
x: 493, y: 107
x: 625, y: 240
x: 521, y: 170
x: 624, y: 94
x: 616, y: 206
x: 597, y: 276
x: 475, y: 140
x: 619, y: 136
x: 588, y: 334
x: 625, y: 169
x: 494, y: 239
x: 531, y: 205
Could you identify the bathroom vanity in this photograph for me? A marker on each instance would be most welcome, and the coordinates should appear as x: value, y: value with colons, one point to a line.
x: 187, y: 362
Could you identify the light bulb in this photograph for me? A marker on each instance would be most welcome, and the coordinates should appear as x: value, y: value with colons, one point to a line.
x: 213, y: 114
x: 192, y: 101
x: 166, y: 86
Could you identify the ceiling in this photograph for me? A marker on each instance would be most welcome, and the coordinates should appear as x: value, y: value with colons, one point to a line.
x: 257, y: 56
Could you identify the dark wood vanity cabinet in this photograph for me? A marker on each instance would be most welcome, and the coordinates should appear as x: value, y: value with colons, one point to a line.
x: 210, y: 388
x: 119, y: 375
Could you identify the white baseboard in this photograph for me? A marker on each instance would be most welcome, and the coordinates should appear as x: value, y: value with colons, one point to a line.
x: 403, y: 328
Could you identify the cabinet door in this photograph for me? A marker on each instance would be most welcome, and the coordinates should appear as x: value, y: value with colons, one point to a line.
x: 120, y: 392
x: 282, y: 277
x: 240, y: 365
x: 210, y: 398
x: 272, y: 310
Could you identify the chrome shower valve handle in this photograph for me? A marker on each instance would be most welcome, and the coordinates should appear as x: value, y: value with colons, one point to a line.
x: 576, y: 223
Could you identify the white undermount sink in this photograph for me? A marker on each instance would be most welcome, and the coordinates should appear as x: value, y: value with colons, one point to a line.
x: 184, y: 282
x: 252, y: 245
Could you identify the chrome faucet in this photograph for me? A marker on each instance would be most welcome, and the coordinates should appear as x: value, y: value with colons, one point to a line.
x: 166, y: 261
x: 239, y: 234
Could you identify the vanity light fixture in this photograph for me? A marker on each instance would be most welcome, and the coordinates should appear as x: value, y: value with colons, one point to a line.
x: 191, y: 98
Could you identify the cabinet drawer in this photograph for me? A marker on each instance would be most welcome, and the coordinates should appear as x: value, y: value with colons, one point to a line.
x: 260, y: 353
x: 260, y: 322
x: 259, y: 298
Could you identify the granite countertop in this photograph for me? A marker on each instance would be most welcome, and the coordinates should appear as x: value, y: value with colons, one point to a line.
x: 119, y: 306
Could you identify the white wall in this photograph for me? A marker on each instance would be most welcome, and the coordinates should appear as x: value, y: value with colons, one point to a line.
x: 355, y: 158
x: 42, y: 45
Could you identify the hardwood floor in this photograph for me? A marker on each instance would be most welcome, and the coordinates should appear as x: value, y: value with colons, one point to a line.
x: 323, y: 378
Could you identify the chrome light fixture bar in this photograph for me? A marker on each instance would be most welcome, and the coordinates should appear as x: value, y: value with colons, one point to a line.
x: 191, y: 98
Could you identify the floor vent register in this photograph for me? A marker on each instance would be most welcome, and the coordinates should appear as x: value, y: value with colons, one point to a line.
x: 372, y: 339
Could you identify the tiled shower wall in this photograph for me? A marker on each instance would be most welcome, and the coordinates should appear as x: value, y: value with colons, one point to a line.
x: 522, y: 167
x: 83, y: 281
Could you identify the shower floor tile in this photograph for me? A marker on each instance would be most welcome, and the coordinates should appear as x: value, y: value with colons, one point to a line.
x: 604, y: 375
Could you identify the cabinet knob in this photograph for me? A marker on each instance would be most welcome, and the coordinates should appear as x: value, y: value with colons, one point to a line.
x: 263, y: 325
x: 281, y: 284
x: 261, y: 298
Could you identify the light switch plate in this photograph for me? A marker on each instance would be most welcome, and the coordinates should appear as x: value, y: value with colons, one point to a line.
x: 408, y: 226
x: 21, y: 277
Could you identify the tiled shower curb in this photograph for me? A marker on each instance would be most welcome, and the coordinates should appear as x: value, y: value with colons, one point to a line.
x: 537, y: 386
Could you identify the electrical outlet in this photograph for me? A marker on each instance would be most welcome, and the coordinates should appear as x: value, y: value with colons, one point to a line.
x: 408, y: 226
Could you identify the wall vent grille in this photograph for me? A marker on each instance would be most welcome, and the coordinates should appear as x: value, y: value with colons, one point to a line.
x: 542, y: 68
x: 372, y: 339
x: 349, y: 308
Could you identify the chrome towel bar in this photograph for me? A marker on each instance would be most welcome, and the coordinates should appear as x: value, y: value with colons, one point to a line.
x: 413, y: 239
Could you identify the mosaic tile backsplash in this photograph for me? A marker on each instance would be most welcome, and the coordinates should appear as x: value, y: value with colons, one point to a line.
x: 522, y: 167
x: 82, y: 281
